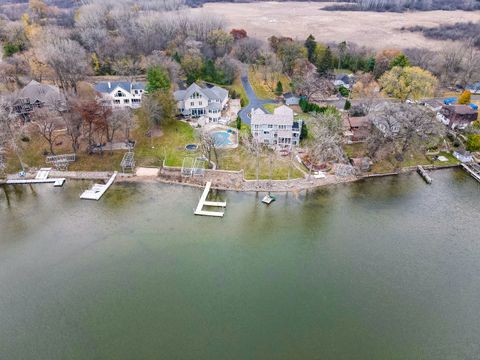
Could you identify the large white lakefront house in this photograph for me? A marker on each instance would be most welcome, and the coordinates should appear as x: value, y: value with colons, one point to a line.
x: 121, y: 94
x: 196, y: 101
x: 277, y: 129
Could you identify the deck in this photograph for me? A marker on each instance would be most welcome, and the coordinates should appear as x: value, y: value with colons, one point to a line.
x: 97, y: 190
x: 203, y: 202
x: 40, y: 178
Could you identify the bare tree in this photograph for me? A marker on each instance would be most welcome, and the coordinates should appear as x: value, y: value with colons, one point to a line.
x: 312, y: 86
x: 48, y: 126
x: 68, y: 60
x: 397, y: 127
x: 255, y: 148
x: 326, y: 139
x: 116, y: 120
x: 209, y: 145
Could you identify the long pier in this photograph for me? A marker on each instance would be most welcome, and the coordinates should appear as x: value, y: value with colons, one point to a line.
x: 40, y: 178
x: 203, y: 202
x: 97, y: 190
x: 473, y: 169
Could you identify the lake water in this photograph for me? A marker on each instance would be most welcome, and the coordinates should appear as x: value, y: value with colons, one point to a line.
x: 381, y: 269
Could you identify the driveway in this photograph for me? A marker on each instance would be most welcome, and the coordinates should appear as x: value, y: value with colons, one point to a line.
x: 253, y: 101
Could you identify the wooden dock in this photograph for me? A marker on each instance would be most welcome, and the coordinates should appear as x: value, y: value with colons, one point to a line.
x: 97, y: 190
x: 40, y: 178
x: 473, y: 169
x: 203, y: 202
x: 424, y: 174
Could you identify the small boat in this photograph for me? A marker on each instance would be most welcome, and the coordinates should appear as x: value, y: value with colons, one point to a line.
x: 268, y: 199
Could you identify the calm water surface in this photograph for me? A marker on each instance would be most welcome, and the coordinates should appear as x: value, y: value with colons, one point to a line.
x: 381, y: 269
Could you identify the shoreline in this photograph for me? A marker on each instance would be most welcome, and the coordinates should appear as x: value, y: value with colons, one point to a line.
x: 228, y: 180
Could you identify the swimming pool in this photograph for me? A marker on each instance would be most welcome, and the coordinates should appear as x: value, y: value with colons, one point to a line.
x: 222, y: 138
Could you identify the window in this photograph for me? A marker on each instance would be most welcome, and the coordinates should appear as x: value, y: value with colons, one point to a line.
x: 116, y: 101
x: 126, y: 101
x: 270, y: 126
x: 119, y: 94
x: 199, y: 103
x: 192, y: 103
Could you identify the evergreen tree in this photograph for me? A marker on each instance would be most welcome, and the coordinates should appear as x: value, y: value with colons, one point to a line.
x: 311, y: 45
x: 347, y: 105
x: 325, y: 64
x: 279, y: 89
x: 157, y: 79
x: 400, y: 60
x: 238, y: 123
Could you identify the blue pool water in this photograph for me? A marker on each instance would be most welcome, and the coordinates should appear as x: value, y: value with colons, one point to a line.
x: 222, y: 138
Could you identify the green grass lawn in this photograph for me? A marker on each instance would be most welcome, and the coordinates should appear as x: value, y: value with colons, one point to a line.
x: 169, y: 146
x: 240, y: 158
x: 411, y: 159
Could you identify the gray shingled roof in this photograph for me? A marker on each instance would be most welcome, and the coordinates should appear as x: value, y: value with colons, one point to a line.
x: 109, y: 86
x: 213, y: 93
x: 44, y: 93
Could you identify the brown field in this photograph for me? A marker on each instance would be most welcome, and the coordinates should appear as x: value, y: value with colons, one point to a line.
x: 299, y: 19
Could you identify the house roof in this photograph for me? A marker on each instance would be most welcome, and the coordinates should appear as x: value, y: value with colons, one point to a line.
x: 214, y: 106
x: 107, y: 87
x: 461, y: 109
x: 44, y: 93
x: 475, y: 86
x: 213, y: 93
x: 343, y: 77
x: 359, y: 121
x: 289, y: 95
x: 282, y: 115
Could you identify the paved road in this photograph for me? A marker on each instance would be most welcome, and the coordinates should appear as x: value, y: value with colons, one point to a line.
x: 253, y: 101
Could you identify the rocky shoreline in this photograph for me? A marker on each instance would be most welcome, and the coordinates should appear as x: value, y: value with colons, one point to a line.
x: 224, y: 180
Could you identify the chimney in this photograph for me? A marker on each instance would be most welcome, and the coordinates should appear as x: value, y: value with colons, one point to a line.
x: 109, y: 85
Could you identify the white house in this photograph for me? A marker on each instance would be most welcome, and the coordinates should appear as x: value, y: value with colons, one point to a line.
x: 196, y: 101
x: 277, y: 129
x: 121, y: 94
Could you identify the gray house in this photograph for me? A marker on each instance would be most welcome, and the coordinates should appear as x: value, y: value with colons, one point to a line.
x: 276, y: 130
x: 196, y: 101
x: 36, y: 95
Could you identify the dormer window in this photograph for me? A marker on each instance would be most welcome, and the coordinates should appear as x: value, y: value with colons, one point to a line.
x: 119, y: 94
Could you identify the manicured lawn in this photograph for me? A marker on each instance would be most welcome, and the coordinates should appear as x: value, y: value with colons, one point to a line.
x: 411, y: 159
x: 266, y: 89
x: 240, y: 158
x: 169, y: 146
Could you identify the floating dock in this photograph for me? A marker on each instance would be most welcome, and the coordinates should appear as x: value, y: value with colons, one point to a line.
x: 97, y: 190
x: 40, y: 178
x: 424, y: 174
x: 473, y: 169
x: 203, y: 202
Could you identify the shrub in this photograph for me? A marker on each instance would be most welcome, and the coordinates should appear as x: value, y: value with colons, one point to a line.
x: 473, y: 142
x: 465, y: 98
x: 347, y: 105
x: 343, y: 91
x: 238, y: 123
